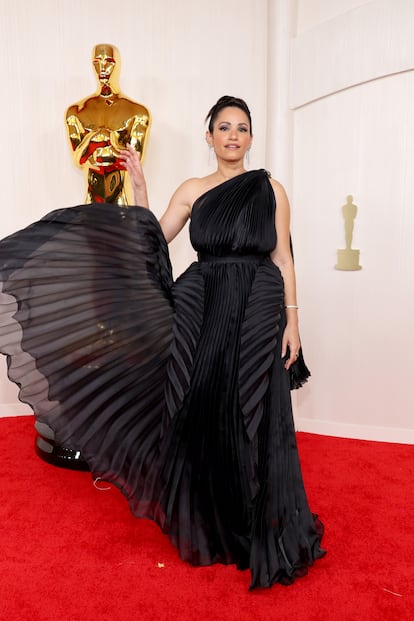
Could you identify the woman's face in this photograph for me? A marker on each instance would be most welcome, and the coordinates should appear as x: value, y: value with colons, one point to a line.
x: 231, y: 136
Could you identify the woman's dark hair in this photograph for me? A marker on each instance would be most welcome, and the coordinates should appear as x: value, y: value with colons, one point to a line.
x: 227, y: 102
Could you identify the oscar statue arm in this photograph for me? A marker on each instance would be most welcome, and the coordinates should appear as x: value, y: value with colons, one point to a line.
x: 79, y: 138
x: 134, y: 132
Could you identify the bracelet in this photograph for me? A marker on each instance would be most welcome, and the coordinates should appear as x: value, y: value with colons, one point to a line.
x: 292, y: 306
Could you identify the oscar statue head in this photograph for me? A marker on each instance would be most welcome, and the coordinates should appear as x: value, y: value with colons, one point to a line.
x: 107, y: 64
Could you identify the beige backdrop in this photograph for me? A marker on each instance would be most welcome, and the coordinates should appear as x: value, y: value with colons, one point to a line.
x: 330, y: 84
x: 353, y: 100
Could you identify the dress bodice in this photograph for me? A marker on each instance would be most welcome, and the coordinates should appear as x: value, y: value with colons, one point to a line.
x: 235, y: 217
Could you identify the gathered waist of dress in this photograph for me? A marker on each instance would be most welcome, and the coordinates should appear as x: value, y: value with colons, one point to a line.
x: 205, y: 257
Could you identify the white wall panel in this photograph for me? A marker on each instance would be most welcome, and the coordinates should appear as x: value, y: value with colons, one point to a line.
x: 356, y: 325
x: 312, y: 13
x: 373, y: 40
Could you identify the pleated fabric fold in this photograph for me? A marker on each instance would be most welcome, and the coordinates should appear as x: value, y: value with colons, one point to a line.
x: 259, y: 335
x: 188, y: 300
x: 86, y: 325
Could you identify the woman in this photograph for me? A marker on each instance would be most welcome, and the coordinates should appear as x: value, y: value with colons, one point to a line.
x: 179, y: 393
x: 230, y: 135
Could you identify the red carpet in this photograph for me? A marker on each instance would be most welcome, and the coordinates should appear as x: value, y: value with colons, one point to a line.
x: 71, y: 553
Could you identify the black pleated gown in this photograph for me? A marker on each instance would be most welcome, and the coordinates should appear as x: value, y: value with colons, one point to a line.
x: 176, y: 392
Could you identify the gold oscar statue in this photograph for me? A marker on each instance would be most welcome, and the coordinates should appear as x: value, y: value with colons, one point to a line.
x: 348, y: 257
x: 98, y: 127
x: 102, y: 124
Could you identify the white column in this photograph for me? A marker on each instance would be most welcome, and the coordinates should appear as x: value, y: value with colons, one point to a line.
x: 282, y: 15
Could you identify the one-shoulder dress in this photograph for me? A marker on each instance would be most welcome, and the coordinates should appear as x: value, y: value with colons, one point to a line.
x: 175, y: 392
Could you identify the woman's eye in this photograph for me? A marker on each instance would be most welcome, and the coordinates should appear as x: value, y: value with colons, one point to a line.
x: 223, y: 128
x: 243, y: 129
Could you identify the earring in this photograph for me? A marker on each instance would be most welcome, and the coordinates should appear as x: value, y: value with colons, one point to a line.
x: 247, y: 157
x: 210, y: 153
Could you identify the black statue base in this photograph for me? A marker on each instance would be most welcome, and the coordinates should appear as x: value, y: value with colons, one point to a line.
x: 48, y: 450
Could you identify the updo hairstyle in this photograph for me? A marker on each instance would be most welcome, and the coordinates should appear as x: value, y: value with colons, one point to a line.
x: 227, y: 102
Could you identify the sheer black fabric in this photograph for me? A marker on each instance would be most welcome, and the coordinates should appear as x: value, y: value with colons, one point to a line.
x: 174, y: 392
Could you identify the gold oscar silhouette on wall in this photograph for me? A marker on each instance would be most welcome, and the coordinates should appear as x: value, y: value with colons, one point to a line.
x: 348, y: 257
x: 102, y: 124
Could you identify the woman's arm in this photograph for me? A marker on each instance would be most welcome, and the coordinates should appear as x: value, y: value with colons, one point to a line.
x: 179, y: 208
x: 282, y: 257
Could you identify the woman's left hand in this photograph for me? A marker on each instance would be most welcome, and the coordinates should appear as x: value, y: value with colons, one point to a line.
x: 290, y: 340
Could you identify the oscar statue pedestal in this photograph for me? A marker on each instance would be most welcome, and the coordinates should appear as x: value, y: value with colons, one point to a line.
x: 48, y: 450
x: 348, y: 259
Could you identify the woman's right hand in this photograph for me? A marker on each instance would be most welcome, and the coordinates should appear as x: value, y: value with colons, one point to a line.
x: 132, y: 163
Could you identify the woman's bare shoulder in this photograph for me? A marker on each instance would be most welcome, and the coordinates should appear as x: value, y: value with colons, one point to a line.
x: 192, y: 188
x: 278, y: 189
x: 200, y: 183
x: 276, y: 185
